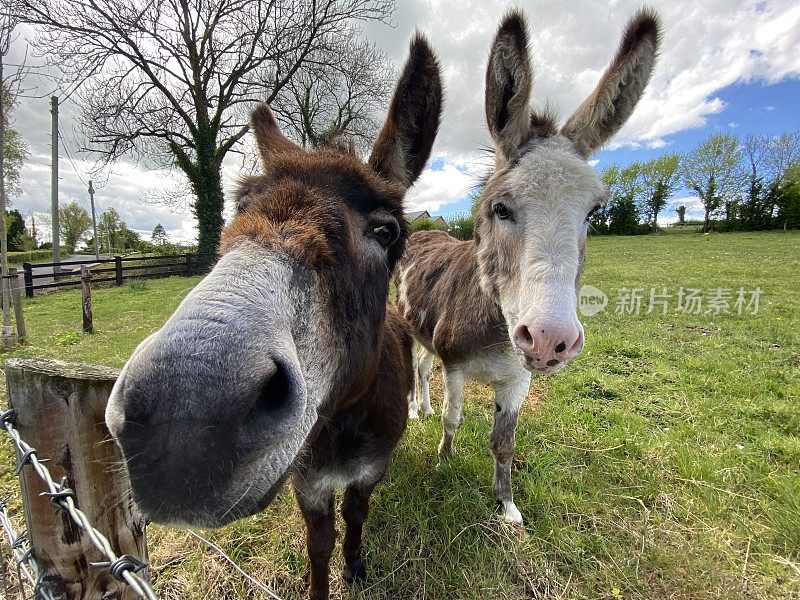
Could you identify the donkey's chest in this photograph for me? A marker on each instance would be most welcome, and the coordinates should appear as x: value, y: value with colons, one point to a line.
x: 347, y: 451
x: 321, y: 475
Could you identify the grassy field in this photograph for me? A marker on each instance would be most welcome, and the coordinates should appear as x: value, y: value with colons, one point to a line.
x: 664, y: 462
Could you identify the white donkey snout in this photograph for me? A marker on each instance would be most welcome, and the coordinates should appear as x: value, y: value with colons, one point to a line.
x: 548, y: 346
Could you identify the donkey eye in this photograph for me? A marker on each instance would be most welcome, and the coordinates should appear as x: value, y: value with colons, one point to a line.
x: 386, y: 235
x: 594, y: 210
x: 501, y: 210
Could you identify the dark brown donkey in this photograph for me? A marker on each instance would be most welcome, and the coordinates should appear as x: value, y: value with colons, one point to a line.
x: 504, y: 305
x: 284, y: 361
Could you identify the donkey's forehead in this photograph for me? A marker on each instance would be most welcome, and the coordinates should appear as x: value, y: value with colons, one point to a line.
x: 339, y: 176
x: 552, y: 169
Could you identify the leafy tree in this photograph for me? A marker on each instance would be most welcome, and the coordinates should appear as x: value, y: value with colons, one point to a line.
x: 130, y: 239
x: 74, y: 222
x: 15, y: 230
x: 114, y: 233
x: 109, y: 229
x: 15, y: 150
x: 621, y: 212
x: 659, y: 179
x: 681, y: 210
x: 170, y: 82
x: 623, y: 217
x: 462, y: 227
x: 787, y: 198
x: 711, y: 170
x: 159, y: 236
x: 422, y: 224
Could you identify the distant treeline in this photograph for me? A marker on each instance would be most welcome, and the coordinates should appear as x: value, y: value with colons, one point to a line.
x: 743, y: 185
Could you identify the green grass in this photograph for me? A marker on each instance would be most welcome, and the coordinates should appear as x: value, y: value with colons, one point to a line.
x: 664, y: 462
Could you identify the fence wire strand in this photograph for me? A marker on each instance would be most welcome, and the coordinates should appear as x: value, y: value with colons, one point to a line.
x: 20, y: 551
x: 253, y: 581
x: 122, y: 568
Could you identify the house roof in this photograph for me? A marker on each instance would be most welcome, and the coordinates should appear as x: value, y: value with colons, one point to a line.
x: 416, y: 214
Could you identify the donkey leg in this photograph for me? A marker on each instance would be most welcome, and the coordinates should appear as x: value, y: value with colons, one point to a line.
x: 508, y: 400
x: 320, y: 520
x: 424, y: 369
x: 454, y: 381
x: 413, y: 404
x: 355, y: 508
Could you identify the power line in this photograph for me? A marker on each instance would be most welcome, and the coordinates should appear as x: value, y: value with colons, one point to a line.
x: 69, y: 156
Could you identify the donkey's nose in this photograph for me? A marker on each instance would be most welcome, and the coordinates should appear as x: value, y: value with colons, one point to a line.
x: 548, y: 347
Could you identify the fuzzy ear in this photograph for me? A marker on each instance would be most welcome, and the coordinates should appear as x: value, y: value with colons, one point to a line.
x: 508, y: 86
x: 406, y: 138
x: 611, y: 103
x: 269, y: 139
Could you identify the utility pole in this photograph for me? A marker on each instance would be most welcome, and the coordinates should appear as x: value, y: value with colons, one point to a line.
x: 54, y: 186
x: 8, y: 332
x: 94, y: 221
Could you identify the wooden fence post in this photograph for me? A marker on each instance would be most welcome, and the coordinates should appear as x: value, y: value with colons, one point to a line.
x: 60, y: 411
x: 16, y: 300
x: 86, y: 294
x: 189, y: 266
x: 118, y: 269
x: 28, y: 269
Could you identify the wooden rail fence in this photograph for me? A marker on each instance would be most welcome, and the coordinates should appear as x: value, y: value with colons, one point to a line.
x: 115, y: 269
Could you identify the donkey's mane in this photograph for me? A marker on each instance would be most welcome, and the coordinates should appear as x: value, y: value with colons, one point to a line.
x: 544, y: 125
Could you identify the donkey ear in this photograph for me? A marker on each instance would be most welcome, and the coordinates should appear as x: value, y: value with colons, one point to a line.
x: 269, y: 139
x: 406, y: 138
x: 603, y: 113
x: 508, y: 85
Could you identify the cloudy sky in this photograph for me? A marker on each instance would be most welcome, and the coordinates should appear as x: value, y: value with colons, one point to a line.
x: 725, y: 65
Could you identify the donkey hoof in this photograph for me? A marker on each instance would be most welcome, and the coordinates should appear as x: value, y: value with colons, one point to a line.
x: 510, y: 512
x: 429, y: 412
x: 412, y: 414
x: 354, y: 571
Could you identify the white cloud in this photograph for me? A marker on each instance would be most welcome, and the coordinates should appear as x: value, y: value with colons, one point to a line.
x: 435, y: 189
x: 706, y: 47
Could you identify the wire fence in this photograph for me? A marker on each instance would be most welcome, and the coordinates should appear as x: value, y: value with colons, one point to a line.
x: 27, y: 569
x: 123, y: 568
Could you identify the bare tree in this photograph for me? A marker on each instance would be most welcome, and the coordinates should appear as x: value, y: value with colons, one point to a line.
x: 325, y: 101
x: 12, y: 151
x: 768, y: 158
x: 169, y: 81
x: 755, y: 148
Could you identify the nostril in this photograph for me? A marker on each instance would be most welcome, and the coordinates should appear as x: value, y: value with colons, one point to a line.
x: 576, y: 348
x: 561, y: 347
x: 275, y: 407
x: 523, y: 337
x: 274, y: 394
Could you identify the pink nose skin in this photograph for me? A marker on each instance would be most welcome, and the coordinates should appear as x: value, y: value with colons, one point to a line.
x: 546, y: 348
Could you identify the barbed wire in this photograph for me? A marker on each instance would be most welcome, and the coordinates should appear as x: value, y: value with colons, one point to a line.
x: 123, y: 568
x: 21, y: 551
